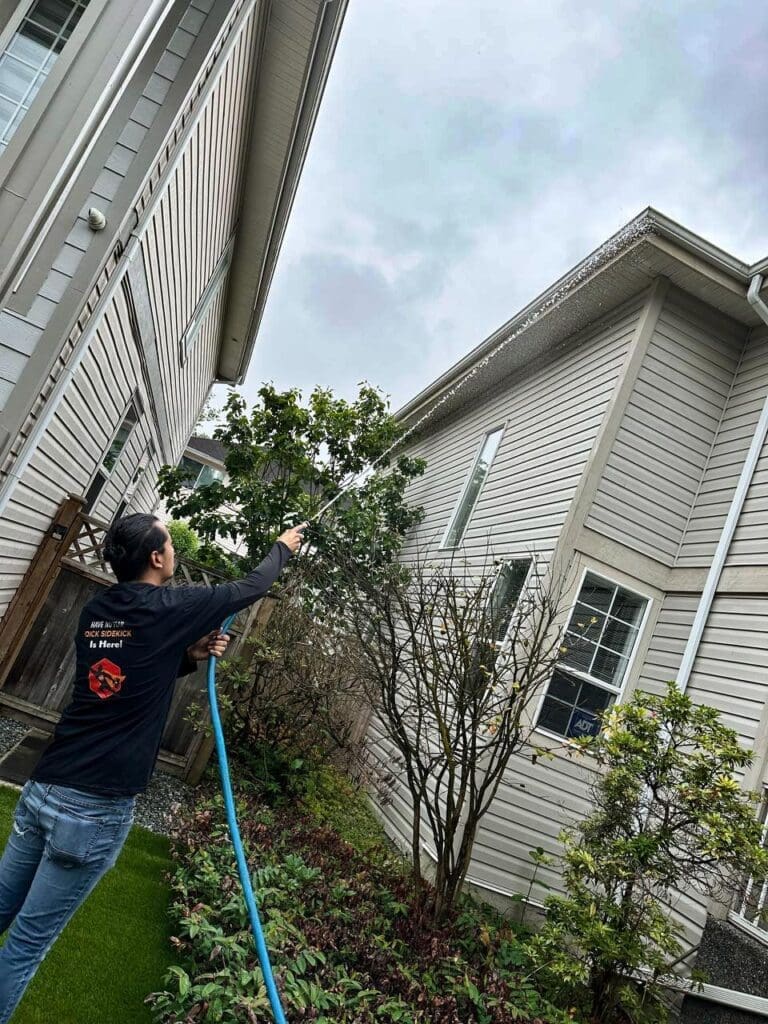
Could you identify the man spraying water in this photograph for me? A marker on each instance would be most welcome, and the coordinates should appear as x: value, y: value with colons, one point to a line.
x: 133, y: 640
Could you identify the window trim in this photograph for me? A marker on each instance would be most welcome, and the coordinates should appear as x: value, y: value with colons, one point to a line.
x: 621, y: 692
x: 209, y: 294
x: 734, y: 916
x: 444, y: 545
x: 138, y: 405
x: 7, y: 32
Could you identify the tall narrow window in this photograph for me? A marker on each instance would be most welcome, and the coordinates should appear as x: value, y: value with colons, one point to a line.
x: 501, y: 607
x: 30, y: 55
x: 471, y: 491
x: 601, y: 637
x: 112, y: 454
x: 505, y: 594
x: 212, y: 289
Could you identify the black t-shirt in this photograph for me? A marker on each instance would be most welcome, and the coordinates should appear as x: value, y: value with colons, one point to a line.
x: 131, y: 645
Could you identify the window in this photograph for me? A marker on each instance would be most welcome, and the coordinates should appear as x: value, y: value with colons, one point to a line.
x: 751, y: 906
x: 506, y: 591
x: 599, y: 643
x: 472, y: 489
x: 198, y: 474
x: 112, y: 454
x: 30, y: 55
x: 212, y: 289
x: 501, y: 607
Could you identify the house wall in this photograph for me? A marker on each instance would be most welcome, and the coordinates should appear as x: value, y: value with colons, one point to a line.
x: 651, y: 482
x: 54, y: 282
x: 654, y: 507
x: 189, y: 218
x: 552, y: 416
x: 745, y: 401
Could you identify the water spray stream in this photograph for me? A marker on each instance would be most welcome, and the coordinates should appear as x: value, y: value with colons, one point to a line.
x: 609, y: 250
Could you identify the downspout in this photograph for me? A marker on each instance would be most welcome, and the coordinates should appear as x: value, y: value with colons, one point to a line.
x: 731, y: 521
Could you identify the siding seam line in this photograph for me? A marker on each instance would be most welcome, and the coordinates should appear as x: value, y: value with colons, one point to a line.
x: 715, y: 438
x: 583, y: 501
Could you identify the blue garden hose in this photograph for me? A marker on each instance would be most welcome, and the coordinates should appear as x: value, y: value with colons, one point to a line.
x: 234, y: 831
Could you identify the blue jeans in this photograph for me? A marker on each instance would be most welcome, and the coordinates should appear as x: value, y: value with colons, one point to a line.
x: 62, y: 842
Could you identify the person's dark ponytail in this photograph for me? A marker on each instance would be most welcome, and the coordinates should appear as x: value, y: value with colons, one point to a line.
x: 129, y: 543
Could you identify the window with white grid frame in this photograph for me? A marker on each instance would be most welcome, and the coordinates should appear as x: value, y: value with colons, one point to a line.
x: 471, y: 491
x: 751, y: 905
x: 29, y: 56
x: 602, y: 633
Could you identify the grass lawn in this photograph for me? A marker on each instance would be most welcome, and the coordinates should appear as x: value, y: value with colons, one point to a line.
x: 115, y: 949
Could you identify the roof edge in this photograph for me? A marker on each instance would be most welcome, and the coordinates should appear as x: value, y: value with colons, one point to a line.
x: 328, y: 28
x: 648, y: 222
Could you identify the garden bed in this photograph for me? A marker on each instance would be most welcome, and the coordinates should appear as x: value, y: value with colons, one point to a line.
x: 343, y: 922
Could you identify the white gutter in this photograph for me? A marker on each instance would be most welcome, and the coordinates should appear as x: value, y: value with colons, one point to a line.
x: 737, y: 503
x: 757, y: 1005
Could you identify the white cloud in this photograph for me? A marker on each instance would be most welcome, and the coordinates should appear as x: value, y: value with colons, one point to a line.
x: 466, y: 155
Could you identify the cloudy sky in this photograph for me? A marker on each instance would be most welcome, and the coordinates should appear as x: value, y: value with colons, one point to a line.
x: 469, y: 153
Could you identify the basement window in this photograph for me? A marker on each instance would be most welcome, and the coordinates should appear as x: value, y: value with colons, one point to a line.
x: 471, y: 490
x: 29, y: 56
x: 750, y: 910
x: 598, y: 648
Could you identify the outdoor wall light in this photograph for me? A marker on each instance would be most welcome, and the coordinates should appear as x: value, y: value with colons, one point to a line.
x: 96, y: 219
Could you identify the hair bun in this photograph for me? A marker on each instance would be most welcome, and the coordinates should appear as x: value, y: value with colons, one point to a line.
x: 114, y: 552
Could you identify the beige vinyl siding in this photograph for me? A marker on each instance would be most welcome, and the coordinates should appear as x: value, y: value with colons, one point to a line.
x: 730, y: 674
x: 655, y: 468
x: 665, y: 651
x: 74, y: 443
x: 750, y: 540
x: 550, y: 418
x: 190, y: 229
x: 534, y: 803
x: 390, y: 793
x: 718, y: 485
x: 19, y: 334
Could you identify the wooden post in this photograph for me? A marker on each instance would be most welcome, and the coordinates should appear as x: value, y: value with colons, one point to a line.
x: 36, y: 585
x: 200, y: 757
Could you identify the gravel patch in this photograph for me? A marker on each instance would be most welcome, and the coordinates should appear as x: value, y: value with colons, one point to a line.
x: 11, y: 732
x: 158, y: 808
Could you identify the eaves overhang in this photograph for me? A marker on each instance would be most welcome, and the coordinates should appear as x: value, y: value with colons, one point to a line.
x: 649, y: 246
x: 275, y: 160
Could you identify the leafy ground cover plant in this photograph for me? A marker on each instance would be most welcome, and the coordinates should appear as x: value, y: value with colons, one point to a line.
x: 343, y: 924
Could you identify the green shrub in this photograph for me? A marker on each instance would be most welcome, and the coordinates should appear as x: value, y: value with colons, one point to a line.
x: 669, y: 815
x: 185, y: 541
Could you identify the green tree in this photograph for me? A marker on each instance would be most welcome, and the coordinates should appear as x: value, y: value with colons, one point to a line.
x: 669, y: 815
x: 286, y: 458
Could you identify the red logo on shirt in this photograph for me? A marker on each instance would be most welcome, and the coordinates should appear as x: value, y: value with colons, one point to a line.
x: 105, y: 678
